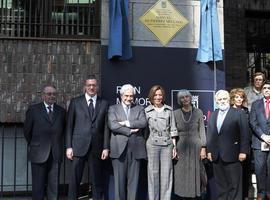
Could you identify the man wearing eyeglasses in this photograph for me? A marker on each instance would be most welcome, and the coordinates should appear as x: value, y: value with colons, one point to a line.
x: 87, y: 139
x: 44, y: 131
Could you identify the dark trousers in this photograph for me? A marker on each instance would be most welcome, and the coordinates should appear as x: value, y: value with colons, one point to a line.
x: 228, y: 177
x: 126, y: 176
x: 262, y: 171
x: 45, y: 174
x: 246, y: 175
x: 96, y: 175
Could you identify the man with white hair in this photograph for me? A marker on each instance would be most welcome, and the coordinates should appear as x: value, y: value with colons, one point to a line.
x: 227, y: 146
x: 126, y: 122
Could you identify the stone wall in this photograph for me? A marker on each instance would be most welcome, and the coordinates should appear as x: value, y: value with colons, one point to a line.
x: 27, y: 65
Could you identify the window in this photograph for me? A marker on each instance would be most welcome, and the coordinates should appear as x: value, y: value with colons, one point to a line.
x: 258, y: 41
x: 50, y: 18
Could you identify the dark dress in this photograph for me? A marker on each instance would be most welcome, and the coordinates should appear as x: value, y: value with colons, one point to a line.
x: 191, y: 130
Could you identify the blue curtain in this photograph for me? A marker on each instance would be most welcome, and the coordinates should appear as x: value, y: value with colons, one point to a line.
x: 210, y: 44
x: 119, y: 41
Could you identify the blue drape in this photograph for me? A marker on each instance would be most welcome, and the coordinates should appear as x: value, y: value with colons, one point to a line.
x: 119, y: 41
x: 210, y: 44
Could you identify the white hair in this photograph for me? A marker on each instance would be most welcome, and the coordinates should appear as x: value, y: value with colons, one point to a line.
x: 220, y: 92
x: 127, y: 87
x: 182, y: 93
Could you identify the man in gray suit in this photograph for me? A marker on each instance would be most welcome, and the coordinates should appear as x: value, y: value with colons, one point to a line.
x: 87, y: 139
x: 126, y: 122
x: 260, y: 124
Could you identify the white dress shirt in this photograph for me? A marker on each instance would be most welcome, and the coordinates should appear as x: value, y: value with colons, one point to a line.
x: 94, y: 98
x: 47, y: 105
x: 220, y: 118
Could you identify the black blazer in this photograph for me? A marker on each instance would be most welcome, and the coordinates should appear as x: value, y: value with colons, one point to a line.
x: 233, y: 137
x: 42, y: 135
x: 83, y: 133
x: 259, y: 124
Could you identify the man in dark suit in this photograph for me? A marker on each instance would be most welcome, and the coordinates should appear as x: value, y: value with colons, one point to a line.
x: 44, y: 131
x: 260, y: 124
x: 228, y: 146
x: 126, y: 122
x: 87, y: 138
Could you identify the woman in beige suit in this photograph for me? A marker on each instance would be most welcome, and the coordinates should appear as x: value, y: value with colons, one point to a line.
x: 160, y: 145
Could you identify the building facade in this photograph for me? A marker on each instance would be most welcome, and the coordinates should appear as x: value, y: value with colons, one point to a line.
x: 59, y: 42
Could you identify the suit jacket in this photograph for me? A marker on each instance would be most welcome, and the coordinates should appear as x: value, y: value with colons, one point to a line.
x: 121, y: 135
x: 233, y: 137
x: 84, y: 132
x: 43, y: 135
x: 258, y: 122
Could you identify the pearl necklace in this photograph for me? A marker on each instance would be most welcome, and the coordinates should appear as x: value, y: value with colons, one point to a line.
x: 183, y: 117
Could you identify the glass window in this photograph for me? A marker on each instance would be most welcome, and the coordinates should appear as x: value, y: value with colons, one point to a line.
x: 50, y: 18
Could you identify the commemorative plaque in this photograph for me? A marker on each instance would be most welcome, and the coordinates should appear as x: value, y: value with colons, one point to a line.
x: 164, y: 21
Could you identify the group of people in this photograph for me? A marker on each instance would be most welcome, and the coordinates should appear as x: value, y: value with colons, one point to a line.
x: 174, y: 142
x: 238, y: 134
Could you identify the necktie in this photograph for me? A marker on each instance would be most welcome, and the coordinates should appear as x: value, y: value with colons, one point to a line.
x: 91, y: 108
x: 267, y: 108
x: 50, y: 113
x: 126, y: 108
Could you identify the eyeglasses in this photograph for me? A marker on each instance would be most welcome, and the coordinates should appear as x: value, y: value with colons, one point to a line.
x: 50, y: 93
x: 91, y: 85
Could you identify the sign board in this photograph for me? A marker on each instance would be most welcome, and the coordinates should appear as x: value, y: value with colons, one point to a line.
x: 164, y: 21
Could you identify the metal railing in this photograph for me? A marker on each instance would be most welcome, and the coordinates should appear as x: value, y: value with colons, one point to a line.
x: 15, y: 170
x: 50, y: 18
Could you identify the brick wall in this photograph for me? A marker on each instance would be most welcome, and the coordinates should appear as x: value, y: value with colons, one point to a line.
x: 27, y: 65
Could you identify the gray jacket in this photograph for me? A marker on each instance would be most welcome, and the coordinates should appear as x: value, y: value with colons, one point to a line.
x: 121, y: 136
x: 161, y: 125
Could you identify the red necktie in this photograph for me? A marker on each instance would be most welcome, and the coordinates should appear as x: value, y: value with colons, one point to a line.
x: 267, y: 101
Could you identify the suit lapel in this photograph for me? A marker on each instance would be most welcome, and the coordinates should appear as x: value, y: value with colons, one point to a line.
x: 226, y: 119
x: 84, y: 105
x: 55, y: 113
x: 215, y: 113
x: 43, y: 111
x: 97, y: 108
x: 261, y: 110
x: 121, y: 111
x: 132, y: 110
